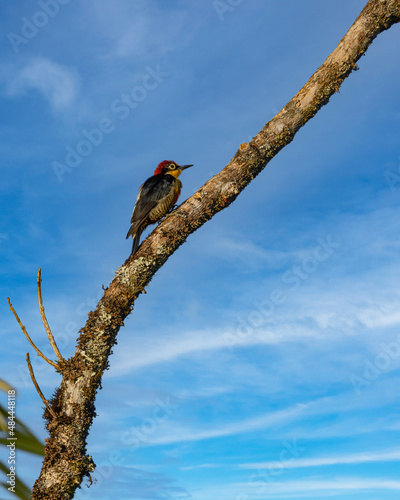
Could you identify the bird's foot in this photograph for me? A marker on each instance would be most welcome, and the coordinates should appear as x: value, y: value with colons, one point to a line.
x: 170, y: 212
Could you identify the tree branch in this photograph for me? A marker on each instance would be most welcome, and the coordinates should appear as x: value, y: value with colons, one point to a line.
x: 44, y: 319
x: 39, y: 352
x: 46, y: 403
x: 66, y: 463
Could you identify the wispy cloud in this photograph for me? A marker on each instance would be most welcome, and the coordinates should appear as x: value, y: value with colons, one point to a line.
x: 314, y: 487
x: 202, y: 466
x: 56, y: 83
x: 177, y: 433
x: 297, y: 420
x: 168, y: 351
x: 249, y: 254
x: 141, y: 29
x: 299, y: 463
x: 355, y: 458
x: 307, y: 317
x: 187, y: 344
x: 326, y: 487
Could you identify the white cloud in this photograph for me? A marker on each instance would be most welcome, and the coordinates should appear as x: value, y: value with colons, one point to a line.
x: 310, y: 316
x: 178, y: 434
x: 190, y: 343
x: 202, y: 466
x: 141, y: 29
x: 247, y: 253
x: 342, y: 302
x: 355, y: 458
x: 330, y: 486
x: 266, y: 487
x: 58, y: 84
x: 294, y: 422
x: 168, y: 349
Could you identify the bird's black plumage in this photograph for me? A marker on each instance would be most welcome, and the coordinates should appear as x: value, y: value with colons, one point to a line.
x: 156, y: 197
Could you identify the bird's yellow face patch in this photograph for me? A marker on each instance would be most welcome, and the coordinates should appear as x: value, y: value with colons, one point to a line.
x: 174, y: 170
x: 175, y: 173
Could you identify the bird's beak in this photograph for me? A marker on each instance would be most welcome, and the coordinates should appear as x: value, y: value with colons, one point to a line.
x: 185, y: 166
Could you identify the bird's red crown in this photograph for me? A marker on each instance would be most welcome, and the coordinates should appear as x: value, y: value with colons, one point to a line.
x: 161, y: 167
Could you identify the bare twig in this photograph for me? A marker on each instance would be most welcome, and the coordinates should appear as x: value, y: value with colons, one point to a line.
x: 39, y: 353
x: 49, y: 408
x: 44, y: 319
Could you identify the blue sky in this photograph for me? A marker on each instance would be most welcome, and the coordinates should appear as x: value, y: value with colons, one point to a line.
x: 263, y: 363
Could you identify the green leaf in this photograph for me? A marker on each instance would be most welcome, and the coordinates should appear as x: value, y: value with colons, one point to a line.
x: 3, y: 419
x: 4, y: 386
x: 25, y: 439
x: 21, y: 490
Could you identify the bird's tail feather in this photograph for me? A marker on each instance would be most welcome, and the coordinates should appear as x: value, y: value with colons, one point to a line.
x: 136, y: 241
x: 135, y: 231
x: 131, y: 231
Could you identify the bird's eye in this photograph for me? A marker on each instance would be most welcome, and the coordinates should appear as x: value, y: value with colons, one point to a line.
x: 172, y: 166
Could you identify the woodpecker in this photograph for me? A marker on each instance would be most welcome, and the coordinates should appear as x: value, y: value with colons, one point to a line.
x: 156, y: 197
